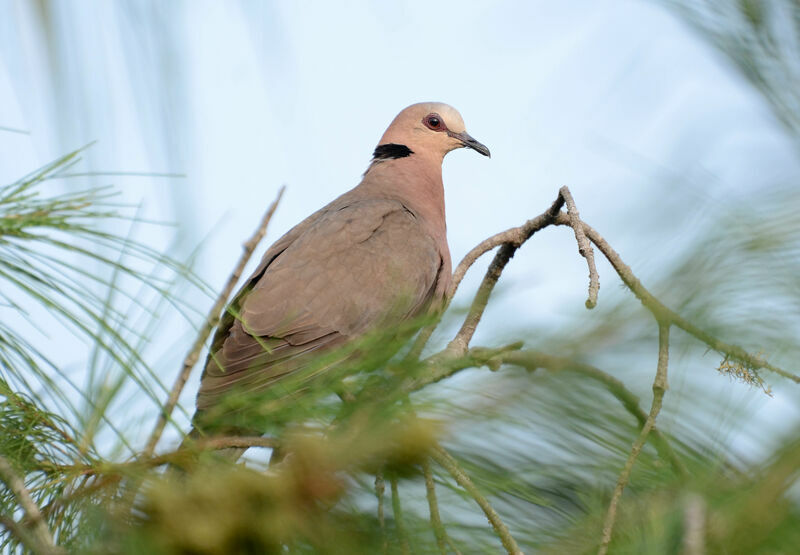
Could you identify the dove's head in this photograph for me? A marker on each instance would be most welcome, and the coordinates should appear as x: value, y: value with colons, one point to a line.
x: 429, y: 129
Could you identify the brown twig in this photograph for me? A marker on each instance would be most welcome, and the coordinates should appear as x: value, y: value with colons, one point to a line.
x: 444, y: 365
x: 514, y: 237
x: 202, y: 444
x: 211, y: 322
x: 461, y: 340
x: 39, y: 532
x: 433, y: 506
x: 659, y: 387
x: 584, y: 246
x: 509, y: 241
x: 664, y: 314
x: 446, y: 461
x: 228, y: 442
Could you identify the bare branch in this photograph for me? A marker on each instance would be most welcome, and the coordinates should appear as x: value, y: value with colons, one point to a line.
x: 433, y: 506
x: 214, y: 443
x: 40, y: 534
x: 664, y: 314
x: 513, y: 237
x: 211, y: 322
x: 659, y: 387
x: 202, y: 444
x: 444, y: 365
x: 584, y: 246
x: 451, y: 465
x: 461, y: 341
x: 510, y: 241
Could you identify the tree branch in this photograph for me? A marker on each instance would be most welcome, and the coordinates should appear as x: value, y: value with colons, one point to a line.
x: 447, y: 462
x: 433, y: 506
x: 659, y: 387
x: 584, y: 246
x: 444, y: 365
x: 664, y: 314
x: 202, y: 444
x: 514, y: 237
x: 511, y: 240
x: 211, y: 322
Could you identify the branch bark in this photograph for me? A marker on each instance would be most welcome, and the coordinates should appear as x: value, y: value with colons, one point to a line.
x: 659, y: 388
x: 433, y: 507
x: 584, y: 246
x: 447, y: 462
x: 442, y: 366
x: 664, y: 314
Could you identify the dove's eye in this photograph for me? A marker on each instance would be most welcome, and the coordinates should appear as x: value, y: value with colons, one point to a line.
x: 433, y: 121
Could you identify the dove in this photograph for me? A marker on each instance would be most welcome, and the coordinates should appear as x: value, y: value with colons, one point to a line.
x: 375, y: 256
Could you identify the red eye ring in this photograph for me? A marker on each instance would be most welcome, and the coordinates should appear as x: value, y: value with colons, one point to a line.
x: 434, y: 122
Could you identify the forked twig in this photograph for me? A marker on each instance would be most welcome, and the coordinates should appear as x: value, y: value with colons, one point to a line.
x: 509, y: 241
x: 447, y: 462
x: 515, y: 237
x: 211, y: 322
x: 664, y: 314
x: 584, y: 246
x: 659, y: 387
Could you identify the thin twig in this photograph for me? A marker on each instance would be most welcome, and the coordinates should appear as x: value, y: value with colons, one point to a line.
x: 40, y: 533
x: 397, y: 512
x: 443, y: 365
x: 584, y: 246
x: 659, y: 387
x: 202, y: 444
x: 433, y: 506
x: 532, y: 359
x: 214, y: 443
x: 664, y: 314
x: 380, y: 488
x: 211, y: 322
x: 461, y: 341
x: 451, y: 465
x: 515, y: 236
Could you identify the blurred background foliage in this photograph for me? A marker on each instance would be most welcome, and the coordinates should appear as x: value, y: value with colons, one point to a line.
x: 86, y: 291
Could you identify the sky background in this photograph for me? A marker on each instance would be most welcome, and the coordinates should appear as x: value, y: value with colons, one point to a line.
x: 651, y: 128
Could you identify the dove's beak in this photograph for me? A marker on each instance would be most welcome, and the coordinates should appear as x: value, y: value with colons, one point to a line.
x: 469, y: 142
